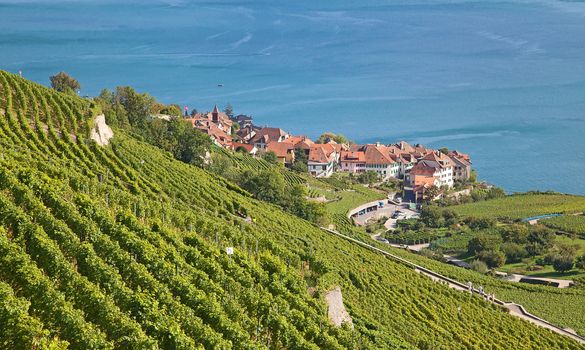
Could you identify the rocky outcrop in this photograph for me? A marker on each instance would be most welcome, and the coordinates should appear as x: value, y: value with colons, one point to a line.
x: 101, y: 132
x: 336, y: 310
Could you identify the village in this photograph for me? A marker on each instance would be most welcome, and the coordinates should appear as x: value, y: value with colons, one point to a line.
x: 425, y: 172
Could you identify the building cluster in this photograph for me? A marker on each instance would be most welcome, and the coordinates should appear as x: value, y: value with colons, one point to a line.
x: 421, y: 168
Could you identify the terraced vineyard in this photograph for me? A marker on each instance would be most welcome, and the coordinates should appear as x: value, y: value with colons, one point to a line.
x: 247, y: 162
x: 522, y: 206
x: 124, y: 247
x: 567, y: 223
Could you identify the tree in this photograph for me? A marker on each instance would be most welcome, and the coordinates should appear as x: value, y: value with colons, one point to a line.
x: 473, y: 176
x: 480, y: 223
x: 540, y: 239
x: 514, y: 252
x: 63, y: 82
x: 193, y: 145
x: 444, y: 150
x: 301, y: 160
x: 580, y: 262
x: 138, y: 107
x: 483, y: 242
x: 432, y: 216
x: 267, y: 185
x: 562, y: 262
x: 493, y: 258
x: 296, y: 203
x: 451, y: 217
x: 479, y: 266
x: 329, y: 136
x: 172, y: 110
x: 369, y: 177
x: 270, y: 157
x: 431, y: 193
x: 229, y: 111
x: 515, y: 233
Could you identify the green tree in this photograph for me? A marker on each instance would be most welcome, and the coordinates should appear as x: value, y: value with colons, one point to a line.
x: 301, y: 160
x: 515, y: 233
x: 229, y: 110
x: 514, y: 252
x: 580, y: 262
x: 63, y: 82
x: 369, y: 177
x: 493, y: 258
x: 329, y: 136
x: 267, y: 185
x: 296, y: 203
x: 540, y: 239
x: 473, y: 176
x: 138, y: 106
x: 562, y: 262
x: 444, y: 150
x: 432, y: 216
x: 270, y: 157
x: 483, y: 242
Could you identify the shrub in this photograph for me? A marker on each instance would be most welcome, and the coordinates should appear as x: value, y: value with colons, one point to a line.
x: 580, y: 262
x: 483, y: 242
x: 514, y: 252
x: 493, y: 258
x: 479, y: 266
x: 562, y: 263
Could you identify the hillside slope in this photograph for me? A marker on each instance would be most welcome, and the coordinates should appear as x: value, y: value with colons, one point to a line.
x: 124, y: 247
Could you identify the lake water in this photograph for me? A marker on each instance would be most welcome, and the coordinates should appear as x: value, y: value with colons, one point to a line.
x: 503, y: 81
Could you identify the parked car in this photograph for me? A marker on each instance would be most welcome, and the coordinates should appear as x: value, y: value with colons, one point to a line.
x: 383, y: 240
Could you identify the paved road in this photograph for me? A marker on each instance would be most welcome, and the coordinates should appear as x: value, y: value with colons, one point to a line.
x: 514, y: 309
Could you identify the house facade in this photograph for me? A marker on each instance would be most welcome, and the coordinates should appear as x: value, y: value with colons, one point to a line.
x: 322, y: 160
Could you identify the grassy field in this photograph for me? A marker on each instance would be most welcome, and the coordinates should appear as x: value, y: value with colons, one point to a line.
x: 522, y: 206
x: 352, y: 198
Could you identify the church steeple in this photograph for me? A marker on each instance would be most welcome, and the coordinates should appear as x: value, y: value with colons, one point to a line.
x: 215, y: 115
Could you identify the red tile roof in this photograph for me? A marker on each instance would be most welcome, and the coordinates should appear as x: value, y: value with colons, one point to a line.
x: 377, y: 155
x: 269, y: 135
x: 317, y: 155
x: 281, y: 149
x: 353, y: 157
x: 422, y: 169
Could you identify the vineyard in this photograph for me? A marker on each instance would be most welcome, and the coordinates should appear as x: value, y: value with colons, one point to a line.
x: 522, y: 206
x: 567, y: 223
x: 244, y: 161
x: 123, y: 247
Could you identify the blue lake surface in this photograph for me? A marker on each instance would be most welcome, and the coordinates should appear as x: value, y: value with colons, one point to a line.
x: 503, y: 81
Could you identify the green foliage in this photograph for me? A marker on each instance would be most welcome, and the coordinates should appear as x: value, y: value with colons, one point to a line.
x: 300, y: 163
x: 124, y: 247
x: 492, y: 258
x: 270, y: 157
x: 567, y: 223
x: 522, y: 206
x: 479, y: 267
x: 580, y: 262
x: 482, y: 242
x: 267, y: 185
x: 329, y: 136
x: 63, y: 82
x: 369, y: 177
